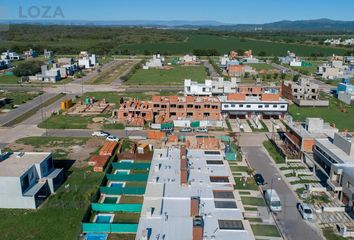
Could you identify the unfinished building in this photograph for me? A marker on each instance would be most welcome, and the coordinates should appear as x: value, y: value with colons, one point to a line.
x: 303, y: 93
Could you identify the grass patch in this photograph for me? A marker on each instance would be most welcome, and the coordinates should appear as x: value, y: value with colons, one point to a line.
x: 337, y: 112
x: 253, y: 201
x: 9, y: 79
x: 17, y: 98
x: 131, y: 199
x: 303, y: 181
x: 38, y: 142
x: 60, y: 216
x: 66, y: 122
x: 126, y: 217
x: 260, y: 66
x: 265, y: 230
x: 125, y: 236
x: 173, y: 76
x: 239, y: 168
x: 250, y: 184
x: 109, y: 126
x: 255, y: 220
x: 329, y: 234
x: 273, y: 152
x: 263, y: 129
x: 288, y: 175
x: 251, y: 209
x: 292, y: 168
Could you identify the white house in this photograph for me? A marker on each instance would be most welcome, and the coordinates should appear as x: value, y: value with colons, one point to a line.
x: 209, y: 87
x: 27, y: 179
x: 12, y: 56
x: 87, y: 60
x: 155, y: 62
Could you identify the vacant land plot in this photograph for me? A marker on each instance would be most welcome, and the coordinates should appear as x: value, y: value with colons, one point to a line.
x: 223, y: 44
x: 16, y: 98
x: 337, y: 112
x: 174, y: 76
x: 261, y: 66
x: 113, y: 73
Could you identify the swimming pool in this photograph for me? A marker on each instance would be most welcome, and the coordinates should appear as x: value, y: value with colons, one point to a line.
x: 117, y: 185
x: 103, y: 219
x: 96, y: 236
x: 122, y: 172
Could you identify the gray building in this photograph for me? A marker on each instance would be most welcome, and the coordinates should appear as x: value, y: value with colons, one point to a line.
x: 27, y: 179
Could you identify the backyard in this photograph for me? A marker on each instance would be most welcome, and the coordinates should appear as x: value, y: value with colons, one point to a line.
x: 337, y: 113
x: 173, y: 76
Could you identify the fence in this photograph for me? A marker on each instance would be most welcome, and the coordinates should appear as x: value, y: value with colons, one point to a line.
x: 127, y: 166
x: 123, y: 191
x: 109, y: 228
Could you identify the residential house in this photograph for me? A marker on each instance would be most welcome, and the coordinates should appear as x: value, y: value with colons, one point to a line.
x: 48, y: 54
x: 86, y: 60
x: 12, y: 56
x: 303, y: 93
x: 254, y: 101
x: 345, y: 92
x: 47, y: 75
x: 299, y: 138
x: 30, y: 53
x: 157, y: 61
x: 27, y: 179
x: 209, y: 87
x: 188, y: 59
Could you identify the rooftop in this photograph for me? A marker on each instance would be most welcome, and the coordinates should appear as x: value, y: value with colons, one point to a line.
x: 17, y: 163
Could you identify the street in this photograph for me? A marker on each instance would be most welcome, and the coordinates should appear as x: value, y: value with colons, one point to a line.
x: 289, y: 220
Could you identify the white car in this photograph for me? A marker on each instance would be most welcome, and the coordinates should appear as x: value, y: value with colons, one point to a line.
x: 202, y: 130
x: 112, y: 138
x: 100, y: 134
x: 305, y: 211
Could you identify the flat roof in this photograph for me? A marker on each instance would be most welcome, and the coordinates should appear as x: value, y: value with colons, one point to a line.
x: 335, y: 152
x: 16, y: 164
x: 167, y: 203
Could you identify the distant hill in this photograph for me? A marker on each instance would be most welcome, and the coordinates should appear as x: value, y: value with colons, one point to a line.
x: 322, y: 24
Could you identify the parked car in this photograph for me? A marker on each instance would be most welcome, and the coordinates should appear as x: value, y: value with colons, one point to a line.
x: 100, y: 134
x: 305, y: 211
x: 168, y: 129
x: 112, y: 138
x: 202, y: 130
x: 259, y: 179
x: 187, y: 129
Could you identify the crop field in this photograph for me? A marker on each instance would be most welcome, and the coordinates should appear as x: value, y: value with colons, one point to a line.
x: 173, y: 76
x: 225, y: 44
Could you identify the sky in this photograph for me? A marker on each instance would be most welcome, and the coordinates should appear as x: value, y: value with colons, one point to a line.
x: 226, y: 11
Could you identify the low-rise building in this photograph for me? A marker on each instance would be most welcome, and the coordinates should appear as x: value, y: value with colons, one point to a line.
x: 156, y: 61
x: 188, y: 59
x: 48, y: 54
x: 5, y: 64
x: 345, y: 92
x: 27, y: 179
x: 303, y: 93
x: 190, y: 195
x: 168, y: 108
x: 209, y: 87
x: 47, y: 75
x: 250, y: 101
x: 87, y: 60
x: 299, y: 138
x: 12, y: 56
x: 30, y: 53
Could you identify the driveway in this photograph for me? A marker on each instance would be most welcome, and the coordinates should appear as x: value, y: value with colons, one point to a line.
x: 289, y: 220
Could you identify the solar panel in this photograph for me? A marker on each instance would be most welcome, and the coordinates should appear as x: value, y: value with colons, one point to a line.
x: 231, y: 225
x: 225, y: 204
x: 224, y: 194
x: 215, y: 162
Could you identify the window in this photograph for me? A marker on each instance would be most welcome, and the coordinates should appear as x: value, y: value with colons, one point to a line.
x: 275, y: 106
x: 214, y: 107
x: 25, y: 183
x: 173, y: 114
x: 206, y: 114
x: 223, y: 194
x: 163, y: 106
x: 207, y: 106
x: 197, y: 107
x: 190, y: 106
x: 233, y: 105
x: 248, y: 106
x: 241, y: 105
x: 143, y: 114
x: 180, y: 106
x: 212, y: 152
x: 282, y: 106
x: 156, y: 105
x: 226, y: 105
x: 260, y: 106
x: 189, y: 114
x: 266, y: 106
x: 125, y: 114
x: 173, y: 105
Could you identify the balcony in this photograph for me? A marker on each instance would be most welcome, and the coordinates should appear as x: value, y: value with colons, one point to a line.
x: 334, y: 185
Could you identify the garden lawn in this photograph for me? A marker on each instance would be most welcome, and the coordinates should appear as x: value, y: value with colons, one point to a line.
x: 250, y: 184
x: 265, y: 230
x: 175, y: 76
x: 337, y: 112
x: 252, y: 201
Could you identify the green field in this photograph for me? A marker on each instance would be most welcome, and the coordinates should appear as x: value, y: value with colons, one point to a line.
x: 265, y: 230
x: 337, y: 112
x: 9, y: 80
x: 17, y: 98
x: 226, y: 43
x: 173, y: 76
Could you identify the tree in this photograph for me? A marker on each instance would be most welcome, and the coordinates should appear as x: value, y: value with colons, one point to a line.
x: 27, y: 68
x: 262, y: 54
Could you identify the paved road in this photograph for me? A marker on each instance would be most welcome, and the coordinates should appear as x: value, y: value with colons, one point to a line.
x: 289, y: 220
x: 8, y: 117
x: 213, y: 73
